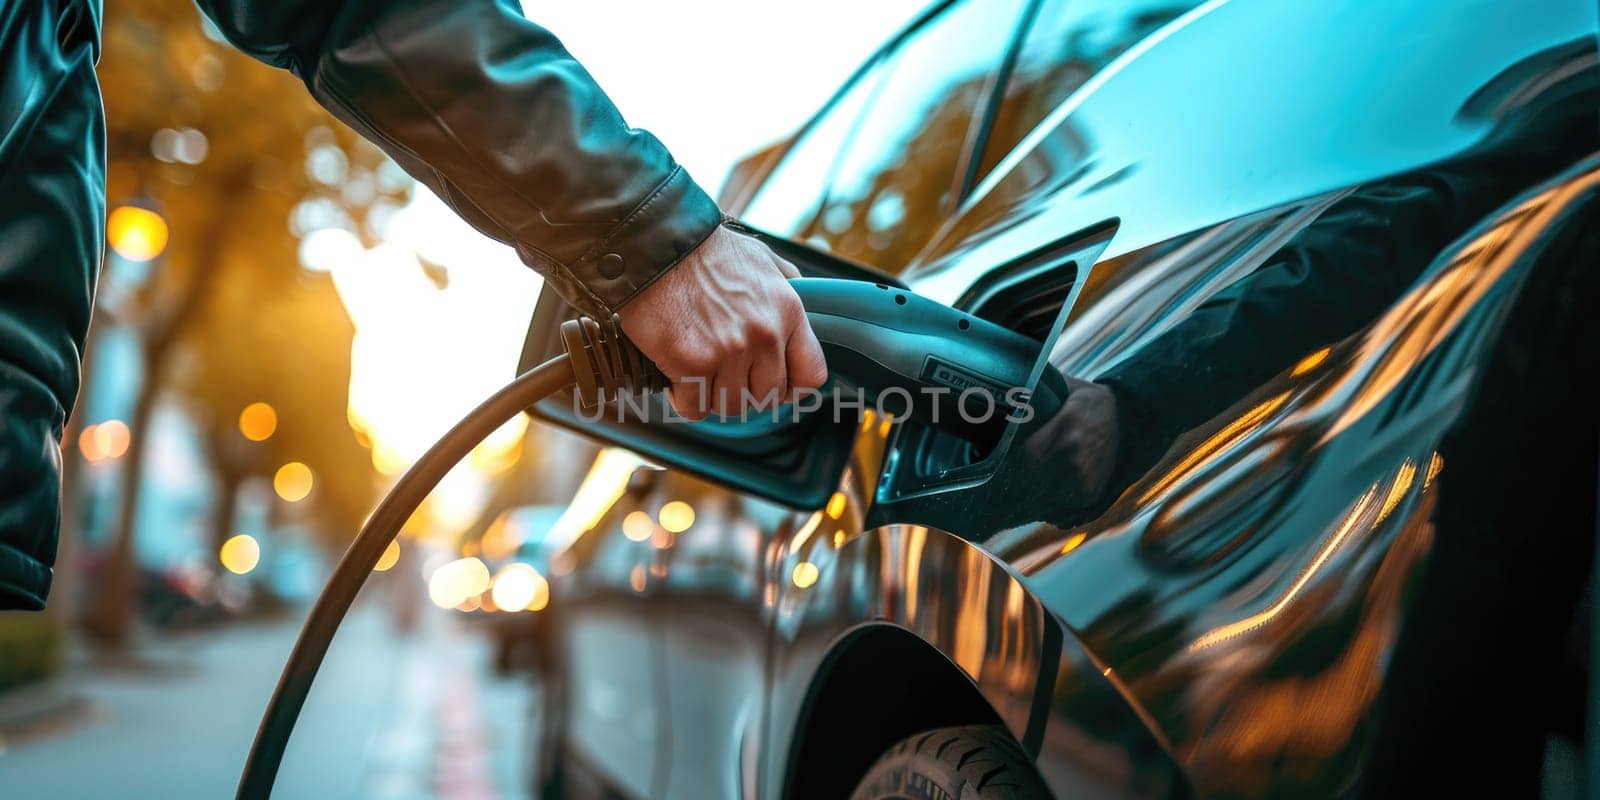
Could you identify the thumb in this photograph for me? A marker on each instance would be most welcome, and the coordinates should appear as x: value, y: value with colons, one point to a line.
x: 807, y: 367
x: 789, y: 270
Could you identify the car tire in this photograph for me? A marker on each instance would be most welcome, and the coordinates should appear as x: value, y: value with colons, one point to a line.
x: 967, y: 762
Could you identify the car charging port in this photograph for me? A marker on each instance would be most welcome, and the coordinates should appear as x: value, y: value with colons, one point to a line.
x: 920, y: 360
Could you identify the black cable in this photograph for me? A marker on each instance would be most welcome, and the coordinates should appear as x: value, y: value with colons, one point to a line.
x: 261, y: 768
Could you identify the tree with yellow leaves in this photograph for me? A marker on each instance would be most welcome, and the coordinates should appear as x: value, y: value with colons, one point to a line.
x: 239, y: 164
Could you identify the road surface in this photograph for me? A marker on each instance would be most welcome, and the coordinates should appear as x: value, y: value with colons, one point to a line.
x: 391, y: 716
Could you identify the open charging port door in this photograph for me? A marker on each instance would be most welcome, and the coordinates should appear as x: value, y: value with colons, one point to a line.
x: 932, y: 476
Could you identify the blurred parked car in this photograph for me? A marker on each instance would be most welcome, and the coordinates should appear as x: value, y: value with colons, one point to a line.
x: 190, y: 595
x: 515, y: 605
x: 1335, y: 261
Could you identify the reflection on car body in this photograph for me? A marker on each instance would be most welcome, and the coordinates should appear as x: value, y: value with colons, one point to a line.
x: 1328, y: 256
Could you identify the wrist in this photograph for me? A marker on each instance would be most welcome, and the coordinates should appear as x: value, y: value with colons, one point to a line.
x: 673, y: 222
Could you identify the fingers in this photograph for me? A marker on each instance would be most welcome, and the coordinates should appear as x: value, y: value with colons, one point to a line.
x: 769, y: 381
x: 690, y: 398
x: 803, y: 359
x: 737, y: 328
x: 768, y: 376
x: 730, y: 385
x: 691, y: 363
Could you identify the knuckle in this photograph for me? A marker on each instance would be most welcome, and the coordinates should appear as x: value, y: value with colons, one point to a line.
x: 730, y: 344
x: 695, y: 363
x: 726, y: 402
x: 686, y: 402
x: 789, y: 306
x: 762, y: 333
x: 809, y: 374
x: 735, y: 387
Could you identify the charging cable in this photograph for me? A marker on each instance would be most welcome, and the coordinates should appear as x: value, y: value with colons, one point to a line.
x: 598, y: 360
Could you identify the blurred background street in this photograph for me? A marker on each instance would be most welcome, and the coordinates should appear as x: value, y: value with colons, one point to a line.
x: 393, y: 715
x: 283, y: 323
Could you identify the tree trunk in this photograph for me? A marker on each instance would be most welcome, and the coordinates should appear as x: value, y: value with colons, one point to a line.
x: 110, y: 614
x: 227, y: 489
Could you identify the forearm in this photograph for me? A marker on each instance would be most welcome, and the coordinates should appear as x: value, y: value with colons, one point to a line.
x: 491, y: 112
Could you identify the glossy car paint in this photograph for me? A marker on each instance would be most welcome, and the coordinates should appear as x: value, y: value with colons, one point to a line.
x: 1310, y: 505
x: 1158, y: 648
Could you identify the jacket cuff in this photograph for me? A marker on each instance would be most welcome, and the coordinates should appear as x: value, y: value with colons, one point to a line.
x: 671, y: 222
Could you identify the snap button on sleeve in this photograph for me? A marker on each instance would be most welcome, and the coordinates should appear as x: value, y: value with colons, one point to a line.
x: 611, y: 265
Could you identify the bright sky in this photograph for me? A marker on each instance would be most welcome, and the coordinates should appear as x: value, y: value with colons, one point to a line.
x: 716, y: 79
x: 713, y: 79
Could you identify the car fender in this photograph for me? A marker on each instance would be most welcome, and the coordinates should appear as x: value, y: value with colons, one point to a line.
x: 903, y: 628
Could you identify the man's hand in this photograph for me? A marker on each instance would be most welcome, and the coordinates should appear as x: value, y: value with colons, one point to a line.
x: 727, y: 314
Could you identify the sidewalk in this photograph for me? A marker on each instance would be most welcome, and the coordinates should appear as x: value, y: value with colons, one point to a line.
x: 40, y: 711
x: 390, y: 716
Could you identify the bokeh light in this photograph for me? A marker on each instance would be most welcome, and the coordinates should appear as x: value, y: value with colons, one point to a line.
x: 136, y: 234
x: 240, y: 554
x: 292, y: 481
x: 107, y: 440
x: 500, y: 450
x: 390, y: 557
x: 187, y: 146
x: 258, y: 421
x: 836, y: 505
x: 804, y: 574
x: 88, y: 446
x: 113, y: 437
x: 638, y: 526
x: 676, y: 516
x: 520, y: 587
x: 456, y: 581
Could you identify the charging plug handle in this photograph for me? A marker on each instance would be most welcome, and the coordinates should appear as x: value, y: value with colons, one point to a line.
x: 922, y: 360
x: 886, y: 348
x: 605, y: 362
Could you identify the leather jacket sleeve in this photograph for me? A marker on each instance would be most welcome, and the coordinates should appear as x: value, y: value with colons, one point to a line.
x: 492, y: 113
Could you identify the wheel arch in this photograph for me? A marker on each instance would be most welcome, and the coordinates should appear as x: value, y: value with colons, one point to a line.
x: 879, y: 684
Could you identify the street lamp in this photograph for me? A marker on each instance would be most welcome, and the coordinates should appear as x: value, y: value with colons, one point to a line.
x: 136, y: 233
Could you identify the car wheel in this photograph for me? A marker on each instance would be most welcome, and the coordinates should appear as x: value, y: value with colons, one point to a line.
x: 968, y: 762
